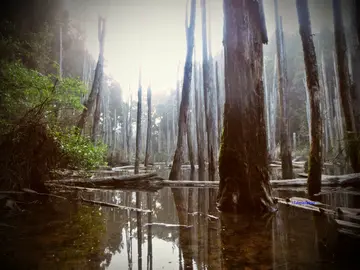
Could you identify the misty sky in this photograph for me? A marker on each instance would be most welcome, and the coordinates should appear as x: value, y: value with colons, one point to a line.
x: 150, y: 34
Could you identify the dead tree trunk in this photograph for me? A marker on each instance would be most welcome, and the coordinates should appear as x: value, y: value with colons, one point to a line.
x: 199, y: 120
x: 312, y: 78
x: 148, y: 134
x: 218, y: 96
x: 129, y: 129
x: 351, y: 136
x: 208, y: 90
x: 184, y: 106
x: 97, y: 77
x: 243, y: 163
x: 138, y: 128
x: 287, y: 172
x: 190, y: 142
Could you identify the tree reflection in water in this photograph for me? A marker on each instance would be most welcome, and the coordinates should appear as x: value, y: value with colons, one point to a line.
x: 294, y: 238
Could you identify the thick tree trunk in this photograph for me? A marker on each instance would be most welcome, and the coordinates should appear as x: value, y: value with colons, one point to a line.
x: 243, y: 163
x: 312, y: 77
x: 148, y: 134
x: 97, y: 77
x: 184, y: 106
x: 208, y: 92
x: 138, y: 129
x: 352, y: 142
x: 285, y: 150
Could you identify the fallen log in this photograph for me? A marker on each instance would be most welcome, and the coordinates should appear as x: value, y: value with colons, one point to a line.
x: 110, y: 180
x: 167, y: 225
x: 116, y: 206
x: 106, y: 188
x: 339, y: 180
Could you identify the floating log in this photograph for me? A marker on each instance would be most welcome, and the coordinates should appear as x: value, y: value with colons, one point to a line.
x: 107, y: 188
x: 114, y: 181
x: 116, y: 206
x: 167, y: 225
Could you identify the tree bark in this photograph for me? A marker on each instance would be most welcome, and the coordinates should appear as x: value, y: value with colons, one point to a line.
x: 148, y: 134
x: 190, y: 143
x: 129, y: 129
x: 285, y: 150
x: 312, y: 78
x: 199, y: 121
x: 218, y: 102
x: 138, y: 128
x: 184, y: 106
x: 208, y: 92
x: 97, y: 77
x: 243, y: 163
x: 352, y: 142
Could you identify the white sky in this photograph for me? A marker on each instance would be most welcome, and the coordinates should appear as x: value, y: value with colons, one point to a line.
x: 151, y: 34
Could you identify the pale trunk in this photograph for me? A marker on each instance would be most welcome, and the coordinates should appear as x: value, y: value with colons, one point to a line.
x: 148, y: 133
x: 184, y: 106
x: 286, y: 162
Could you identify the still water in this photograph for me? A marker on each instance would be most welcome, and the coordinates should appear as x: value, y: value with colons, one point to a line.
x: 182, y: 230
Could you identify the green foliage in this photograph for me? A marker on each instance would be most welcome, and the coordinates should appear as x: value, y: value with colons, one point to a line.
x: 79, y: 151
x: 22, y: 89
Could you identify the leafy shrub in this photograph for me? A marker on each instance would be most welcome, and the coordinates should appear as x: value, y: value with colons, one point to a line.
x: 22, y: 89
x: 79, y: 151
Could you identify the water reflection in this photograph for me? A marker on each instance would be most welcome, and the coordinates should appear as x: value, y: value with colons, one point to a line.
x: 106, y: 238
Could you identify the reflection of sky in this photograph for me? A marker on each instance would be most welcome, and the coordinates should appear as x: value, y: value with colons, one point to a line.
x: 162, y: 251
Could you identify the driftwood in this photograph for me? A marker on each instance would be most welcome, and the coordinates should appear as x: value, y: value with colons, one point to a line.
x: 116, y: 206
x: 107, y: 188
x: 105, y: 181
x: 167, y: 225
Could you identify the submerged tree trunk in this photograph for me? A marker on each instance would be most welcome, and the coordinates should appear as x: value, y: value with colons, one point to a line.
x: 352, y: 142
x: 208, y: 92
x: 148, y: 134
x: 312, y: 77
x: 184, y: 106
x: 138, y: 129
x: 243, y: 163
x: 88, y: 108
x: 286, y: 166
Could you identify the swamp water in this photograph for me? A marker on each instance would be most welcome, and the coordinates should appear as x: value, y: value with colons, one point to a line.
x: 183, y: 231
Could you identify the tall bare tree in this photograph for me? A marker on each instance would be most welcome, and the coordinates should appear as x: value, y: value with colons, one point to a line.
x: 148, y: 133
x: 184, y: 106
x: 243, y: 163
x: 138, y: 128
x: 312, y: 78
x: 351, y: 136
x: 129, y: 129
x: 199, y: 119
x: 208, y: 93
x: 286, y: 162
x: 89, y: 105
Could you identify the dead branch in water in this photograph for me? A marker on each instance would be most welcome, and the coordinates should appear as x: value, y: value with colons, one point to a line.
x: 30, y: 191
x: 116, y: 206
